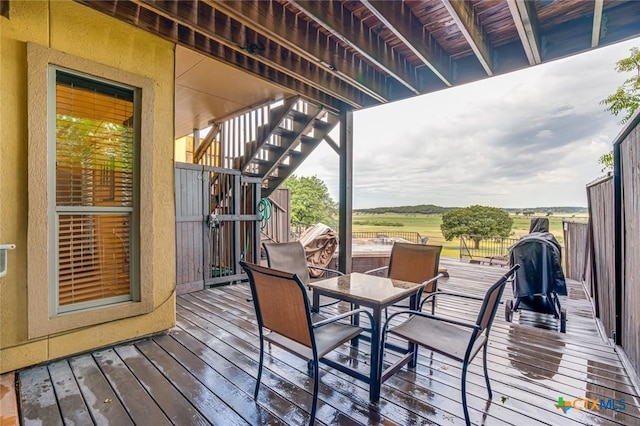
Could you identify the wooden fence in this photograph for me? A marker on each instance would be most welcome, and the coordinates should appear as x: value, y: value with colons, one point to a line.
x: 612, y: 271
x: 627, y: 176
x: 601, y: 278
x: 576, y: 247
x: 278, y: 227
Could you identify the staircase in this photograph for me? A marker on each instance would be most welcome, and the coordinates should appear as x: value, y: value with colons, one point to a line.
x: 293, y: 130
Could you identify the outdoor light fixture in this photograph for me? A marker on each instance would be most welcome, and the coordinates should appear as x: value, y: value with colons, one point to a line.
x: 3, y: 257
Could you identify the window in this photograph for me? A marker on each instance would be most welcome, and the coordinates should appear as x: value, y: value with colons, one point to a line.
x: 93, y: 146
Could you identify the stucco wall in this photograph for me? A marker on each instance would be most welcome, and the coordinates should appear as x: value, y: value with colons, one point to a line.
x: 77, y: 30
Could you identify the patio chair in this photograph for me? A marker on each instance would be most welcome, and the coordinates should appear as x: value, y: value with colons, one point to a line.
x: 417, y: 263
x: 291, y: 257
x: 460, y: 340
x: 293, y: 328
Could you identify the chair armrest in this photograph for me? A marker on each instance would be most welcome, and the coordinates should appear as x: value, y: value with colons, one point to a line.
x: 344, y: 315
x: 434, y: 317
x: 324, y: 269
x: 382, y: 268
x: 452, y: 293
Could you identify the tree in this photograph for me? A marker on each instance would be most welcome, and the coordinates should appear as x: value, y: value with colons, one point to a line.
x: 626, y: 99
x: 310, y: 201
x: 479, y: 222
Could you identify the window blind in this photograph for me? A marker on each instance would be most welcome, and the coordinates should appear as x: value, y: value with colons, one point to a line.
x: 94, y: 189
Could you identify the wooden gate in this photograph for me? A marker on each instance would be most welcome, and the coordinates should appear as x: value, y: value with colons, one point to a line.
x: 217, y: 225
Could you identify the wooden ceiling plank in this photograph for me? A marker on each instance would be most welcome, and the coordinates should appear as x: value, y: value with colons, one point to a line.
x: 353, y: 33
x: 526, y: 21
x: 240, y: 42
x: 597, y: 22
x: 464, y: 15
x: 399, y: 19
x: 277, y: 22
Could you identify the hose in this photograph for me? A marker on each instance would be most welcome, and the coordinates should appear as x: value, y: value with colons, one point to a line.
x: 266, y: 210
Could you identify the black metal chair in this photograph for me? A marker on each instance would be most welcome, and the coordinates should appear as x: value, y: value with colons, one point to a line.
x: 282, y: 307
x: 460, y: 340
x: 291, y: 257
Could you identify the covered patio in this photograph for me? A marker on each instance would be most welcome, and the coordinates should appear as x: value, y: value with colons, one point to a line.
x: 203, y: 371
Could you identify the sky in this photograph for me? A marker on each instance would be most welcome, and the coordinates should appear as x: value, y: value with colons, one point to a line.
x: 531, y: 138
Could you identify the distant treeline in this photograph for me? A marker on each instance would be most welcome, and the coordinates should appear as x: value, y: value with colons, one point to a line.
x: 431, y: 209
x: 421, y: 209
x: 549, y: 209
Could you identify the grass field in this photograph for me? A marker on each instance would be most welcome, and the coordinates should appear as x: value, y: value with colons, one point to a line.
x: 429, y: 226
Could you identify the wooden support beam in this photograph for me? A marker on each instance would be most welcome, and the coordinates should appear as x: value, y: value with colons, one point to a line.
x: 175, y: 22
x: 526, y: 20
x: 464, y: 15
x: 399, y: 19
x: 243, y: 40
x: 283, y: 26
x: 206, y: 142
x: 333, y: 144
x: 356, y: 35
x: 597, y: 22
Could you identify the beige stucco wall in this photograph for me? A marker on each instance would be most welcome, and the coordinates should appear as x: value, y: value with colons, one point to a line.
x: 77, y: 30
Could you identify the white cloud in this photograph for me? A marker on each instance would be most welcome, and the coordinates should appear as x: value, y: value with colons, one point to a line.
x: 525, y: 139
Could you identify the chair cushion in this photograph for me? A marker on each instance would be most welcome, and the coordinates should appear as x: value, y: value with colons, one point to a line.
x: 447, y: 339
x: 327, y: 337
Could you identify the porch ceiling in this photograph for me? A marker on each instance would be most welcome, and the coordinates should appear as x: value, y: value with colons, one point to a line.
x: 367, y: 52
x: 207, y: 89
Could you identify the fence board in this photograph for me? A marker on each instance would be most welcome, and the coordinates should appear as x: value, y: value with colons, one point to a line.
x: 189, y: 228
x: 575, y: 249
x: 278, y: 228
x: 630, y: 180
x: 602, y: 277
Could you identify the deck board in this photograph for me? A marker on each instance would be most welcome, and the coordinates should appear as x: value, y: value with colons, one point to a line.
x: 72, y: 405
x: 203, y: 371
x: 138, y: 403
x: 39, y: 405
x: 101, y: 399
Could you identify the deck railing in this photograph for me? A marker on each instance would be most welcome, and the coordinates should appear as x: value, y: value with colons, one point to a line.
x: 491, y: 251
x: 413, y: 237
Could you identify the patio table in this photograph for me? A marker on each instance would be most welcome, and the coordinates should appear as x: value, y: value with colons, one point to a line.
x: 376, y: 293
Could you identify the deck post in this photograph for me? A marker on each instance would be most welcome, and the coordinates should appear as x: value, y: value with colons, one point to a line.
x: 346, y: 190
x: 618, y: 238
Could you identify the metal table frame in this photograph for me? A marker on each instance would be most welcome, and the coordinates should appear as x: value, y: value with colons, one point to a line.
x: 361, y: 290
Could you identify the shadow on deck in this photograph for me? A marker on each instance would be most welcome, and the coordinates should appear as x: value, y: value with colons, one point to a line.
x: 203, y: 371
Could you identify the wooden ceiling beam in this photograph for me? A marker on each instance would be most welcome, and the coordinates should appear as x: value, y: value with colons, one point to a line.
x: 190, y: 23
x: 597, y: 22
x: 465, y: 16
x: 399, y: 19
x: 287, y: 28
x: 526, y: 20
x: 352, y: 32
x: 245, y: 41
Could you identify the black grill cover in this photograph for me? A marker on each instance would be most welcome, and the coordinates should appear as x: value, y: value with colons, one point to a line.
x: 540, y: 265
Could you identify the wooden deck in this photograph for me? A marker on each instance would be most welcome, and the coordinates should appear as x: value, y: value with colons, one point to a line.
x: 203, y: 371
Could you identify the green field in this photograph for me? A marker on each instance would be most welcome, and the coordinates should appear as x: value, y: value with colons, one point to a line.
x: 429, y: 226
